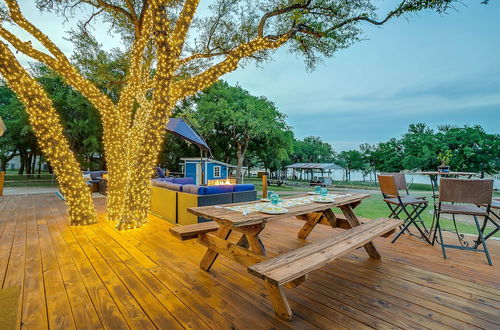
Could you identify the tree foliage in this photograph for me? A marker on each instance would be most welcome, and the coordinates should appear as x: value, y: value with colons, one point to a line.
x: 312, y: 150
x: 351, y: 160
x: 234, y: 122
x: 472, y: 149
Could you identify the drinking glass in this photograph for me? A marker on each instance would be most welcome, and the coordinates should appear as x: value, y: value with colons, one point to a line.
x: 317, y: 189
x: 323, y: 192
x: 269, y: 194
x: 275, y: 199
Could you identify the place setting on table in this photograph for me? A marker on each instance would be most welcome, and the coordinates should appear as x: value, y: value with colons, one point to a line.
x: 273, y: 204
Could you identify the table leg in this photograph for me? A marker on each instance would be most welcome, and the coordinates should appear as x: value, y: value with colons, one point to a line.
x: 254, y: 243
x: 435, y: 187
x: 312, y: 220
x: 330, y: 216
x: 279, y: 301
x: 353, y: 221
x: 243, y: 242
x: 209, y: 258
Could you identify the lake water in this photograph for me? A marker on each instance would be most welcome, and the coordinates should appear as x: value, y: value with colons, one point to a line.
x: 339, y: 175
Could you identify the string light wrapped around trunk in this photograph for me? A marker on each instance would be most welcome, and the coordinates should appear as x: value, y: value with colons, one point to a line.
x: 46, y: 125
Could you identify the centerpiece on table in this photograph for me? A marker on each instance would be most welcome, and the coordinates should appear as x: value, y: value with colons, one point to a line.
x: 444, y: 158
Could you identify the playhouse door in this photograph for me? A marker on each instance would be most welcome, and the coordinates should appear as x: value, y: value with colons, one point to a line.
x: 198, y: 173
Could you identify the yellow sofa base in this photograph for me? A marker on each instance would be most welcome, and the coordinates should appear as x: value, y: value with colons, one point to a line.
x: 164, y: 204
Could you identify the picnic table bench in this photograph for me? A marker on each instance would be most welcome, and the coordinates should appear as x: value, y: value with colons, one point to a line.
x: 289, y: 269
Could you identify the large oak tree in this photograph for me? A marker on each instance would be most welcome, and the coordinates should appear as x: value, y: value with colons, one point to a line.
x: 173, y: 53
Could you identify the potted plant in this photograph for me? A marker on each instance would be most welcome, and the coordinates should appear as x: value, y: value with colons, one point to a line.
x: 444, y: 158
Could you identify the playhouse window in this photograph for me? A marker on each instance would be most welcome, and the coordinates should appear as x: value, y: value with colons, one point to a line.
x: 216, y: 171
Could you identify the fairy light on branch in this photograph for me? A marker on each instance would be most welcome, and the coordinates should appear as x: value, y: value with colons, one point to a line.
x: 49, y: 132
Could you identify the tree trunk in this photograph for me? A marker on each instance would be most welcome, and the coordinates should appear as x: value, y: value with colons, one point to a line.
x: 40, y: 159
x: 240, y: 157
x: 45, y: 122
x: 33, y: 163
x: 4, y: 160
x: 22, y: 161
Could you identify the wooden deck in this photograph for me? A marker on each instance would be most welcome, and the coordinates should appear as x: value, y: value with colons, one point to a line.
x: 95, y: 277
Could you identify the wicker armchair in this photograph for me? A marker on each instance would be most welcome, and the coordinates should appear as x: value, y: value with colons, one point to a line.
x: 464, y: 197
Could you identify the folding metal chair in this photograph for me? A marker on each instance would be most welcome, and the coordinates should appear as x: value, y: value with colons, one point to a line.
x: 401, y: 183
x: 408, y: 206
x: 493, y: 217
x: 469, y: 193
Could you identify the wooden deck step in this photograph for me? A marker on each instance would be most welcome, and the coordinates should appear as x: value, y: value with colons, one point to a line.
x: 297, y: 263
x: 192, y: 231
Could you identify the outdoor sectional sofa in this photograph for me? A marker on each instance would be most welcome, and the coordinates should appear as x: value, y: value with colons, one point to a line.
x: 95, y: 178
x: 171, y: 198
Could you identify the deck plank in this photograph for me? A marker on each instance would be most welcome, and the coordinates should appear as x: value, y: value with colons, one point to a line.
x: 82, y: 309
x: 95, y: 277
x: 58, y: 307
x: 14, y: 274
x: 109, y: 314
x: 34, y: 313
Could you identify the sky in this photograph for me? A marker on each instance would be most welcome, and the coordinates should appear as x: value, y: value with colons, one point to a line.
x: 431, y: 68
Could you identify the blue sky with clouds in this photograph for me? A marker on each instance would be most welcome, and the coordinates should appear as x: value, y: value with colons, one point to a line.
x: 437, y: 69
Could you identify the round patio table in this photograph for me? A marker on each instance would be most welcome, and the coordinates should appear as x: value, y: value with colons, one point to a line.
x: 434, y: 175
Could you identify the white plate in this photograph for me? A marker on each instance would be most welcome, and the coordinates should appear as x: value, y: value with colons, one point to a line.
x: 323, y: 200
x: 312, y: 193
x: 268, y: 209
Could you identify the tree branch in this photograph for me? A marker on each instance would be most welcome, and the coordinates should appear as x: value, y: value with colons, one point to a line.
x: 182, y: 25
x: 26, y: 48
x: 199, y: 56
x: 116, y: 9
x: 61, y: 64
x: 277, y: 12
x: 197, y: 83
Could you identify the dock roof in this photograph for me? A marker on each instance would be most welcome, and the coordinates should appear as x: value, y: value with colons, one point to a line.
x: 314, y: 166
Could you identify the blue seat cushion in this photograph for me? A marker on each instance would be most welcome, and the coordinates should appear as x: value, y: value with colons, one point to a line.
x: 159, y: 172
x: 212, y: 190
x: 244, y: 187
x: 193, y: 189
x: 183, y: 180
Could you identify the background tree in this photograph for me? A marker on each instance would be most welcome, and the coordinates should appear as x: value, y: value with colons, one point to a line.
x: 351, y: 160
x: 10, y: 114
x: 312, y: 150
x: 231, y: 119
x: 19, y: 139
x: 421, y: 147
x: 273, y: 150
x: 473, y: 150
x: 387, y: 156
x: 165, y: 67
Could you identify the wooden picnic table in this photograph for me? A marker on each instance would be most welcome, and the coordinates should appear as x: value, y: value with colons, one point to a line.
x: 289, y: 269
x: 250, y: 248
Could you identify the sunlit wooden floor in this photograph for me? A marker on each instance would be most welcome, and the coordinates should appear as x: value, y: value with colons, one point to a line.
x: 95, y: 277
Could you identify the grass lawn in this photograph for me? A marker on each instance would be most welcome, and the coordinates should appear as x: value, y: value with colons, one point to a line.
x: 45, y: 179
